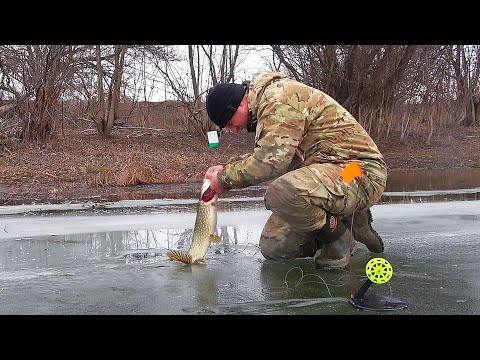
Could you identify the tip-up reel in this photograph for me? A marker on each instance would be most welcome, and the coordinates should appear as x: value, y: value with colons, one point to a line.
x: 378, y: 271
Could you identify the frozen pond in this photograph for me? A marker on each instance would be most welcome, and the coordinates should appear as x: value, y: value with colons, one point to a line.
x: 109, y: 262
x: 109, y: 257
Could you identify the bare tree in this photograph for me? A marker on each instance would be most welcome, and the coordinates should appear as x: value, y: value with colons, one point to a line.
x: 108, y: 101
x: 207, y: 65
x: 465, y: 62
x: 363, y: 78
x: 393, y: 90
x: 34, y: 76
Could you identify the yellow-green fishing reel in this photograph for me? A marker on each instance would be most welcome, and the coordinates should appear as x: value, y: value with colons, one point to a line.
x: 379, y: 271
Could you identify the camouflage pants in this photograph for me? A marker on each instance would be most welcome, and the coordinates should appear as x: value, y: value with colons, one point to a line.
x: 298, y: 201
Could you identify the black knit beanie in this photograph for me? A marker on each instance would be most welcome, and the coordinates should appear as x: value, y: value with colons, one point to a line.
x: 223, y: 101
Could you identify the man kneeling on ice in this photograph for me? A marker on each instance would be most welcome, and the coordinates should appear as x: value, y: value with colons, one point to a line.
x: 304, y: 139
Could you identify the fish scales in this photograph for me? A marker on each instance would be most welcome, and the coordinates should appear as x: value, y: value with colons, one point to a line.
x: 205, y: 229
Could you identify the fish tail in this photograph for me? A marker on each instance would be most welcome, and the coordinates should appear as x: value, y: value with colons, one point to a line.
x: 180, y: 256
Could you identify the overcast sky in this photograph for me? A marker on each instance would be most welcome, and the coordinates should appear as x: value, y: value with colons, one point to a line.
x: 255, y: 62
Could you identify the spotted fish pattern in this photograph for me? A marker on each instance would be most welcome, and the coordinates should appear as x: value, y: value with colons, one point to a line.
x: 205, y: 230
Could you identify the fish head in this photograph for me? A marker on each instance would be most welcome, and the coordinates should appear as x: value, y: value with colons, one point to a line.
x: 206, y: 184
x: 208, y: 195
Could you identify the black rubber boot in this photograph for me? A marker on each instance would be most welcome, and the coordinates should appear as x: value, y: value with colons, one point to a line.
x: 336, y: 242
x: 336, y: 255
x: 363, y: 231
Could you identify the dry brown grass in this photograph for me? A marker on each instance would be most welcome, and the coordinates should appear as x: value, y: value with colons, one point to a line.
x: 79, y: 159
x: 135, y: 174
x: 124, y: 160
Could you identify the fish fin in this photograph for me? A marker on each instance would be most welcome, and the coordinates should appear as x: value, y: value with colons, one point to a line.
x: 201, y: 260
x: 215, y: 238
x: 180, y: 256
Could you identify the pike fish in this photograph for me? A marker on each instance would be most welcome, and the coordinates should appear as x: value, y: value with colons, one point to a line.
x: 205, y: 230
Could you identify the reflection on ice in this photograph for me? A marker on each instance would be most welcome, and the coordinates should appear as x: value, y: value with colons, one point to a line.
x: 129, y: 247
x: 270, y: 307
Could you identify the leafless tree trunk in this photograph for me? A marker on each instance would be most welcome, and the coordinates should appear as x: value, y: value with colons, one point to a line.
x: 107, y: 106
x: 466, y: 64
x: 198, y: 118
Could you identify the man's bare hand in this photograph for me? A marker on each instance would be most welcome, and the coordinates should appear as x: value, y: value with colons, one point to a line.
x: 214, y: 168
x: 211, y: 174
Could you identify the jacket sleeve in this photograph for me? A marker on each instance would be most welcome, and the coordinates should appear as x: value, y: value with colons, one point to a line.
x: 279, y: 131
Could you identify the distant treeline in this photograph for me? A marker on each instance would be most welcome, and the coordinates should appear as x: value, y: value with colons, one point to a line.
x: 393, y: 90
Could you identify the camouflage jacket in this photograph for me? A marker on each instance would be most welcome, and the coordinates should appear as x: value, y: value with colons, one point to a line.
x: 298, y: 125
